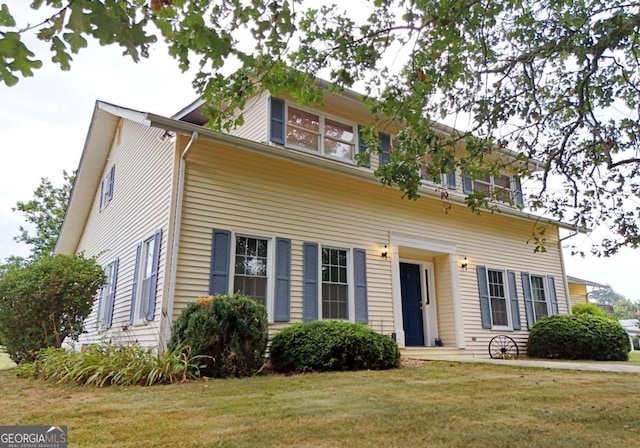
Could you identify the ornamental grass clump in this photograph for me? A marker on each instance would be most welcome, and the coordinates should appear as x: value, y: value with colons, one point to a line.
x: 332, y: 345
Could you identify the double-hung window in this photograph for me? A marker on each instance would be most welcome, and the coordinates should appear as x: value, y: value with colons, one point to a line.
x: 145, y: 280
x: 540, y: 296
x: 107, y: 295
x: 251, y: 267
x: 498, y: 186
x: 498, y: 298
x: 106, y: 187
x: 318, y: 133
x: 335, y: 284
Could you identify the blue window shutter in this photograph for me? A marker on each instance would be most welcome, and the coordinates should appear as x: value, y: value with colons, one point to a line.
x: 276, y: 112
x: 467, y: 185
x: 134, y: 288
x: 360, y: 280
x: 483, y: 289
x: 528, y: 299
x: 220, y: 258
x: 451, y: 181
x: 309, y: 282
x: 112, y: 176
x: 362, y: 146
x: 385, y: 147
x: 518, y: 193
x: 513, y: 294
x: 151, y: 300
x: 111, y: 297
x: 283, y: 280
x: 552, y: 294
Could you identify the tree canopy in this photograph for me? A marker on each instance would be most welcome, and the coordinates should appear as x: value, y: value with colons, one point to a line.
x: 45, y: 212
x: 553, y: 81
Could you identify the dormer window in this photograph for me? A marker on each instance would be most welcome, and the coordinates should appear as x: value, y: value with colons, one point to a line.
x: 312, y: 131
x: 500, y: 186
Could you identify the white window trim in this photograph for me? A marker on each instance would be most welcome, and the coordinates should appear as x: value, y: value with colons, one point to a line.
x: 271, y: 268
x: 547, y: 297
x: 321, y: 119
x: 493, y: 186
x: 351, y: 289
x: 507, y: 294
x: 104, y: 293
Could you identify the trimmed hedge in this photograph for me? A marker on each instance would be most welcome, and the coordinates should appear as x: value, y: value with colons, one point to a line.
x: 231, y: 331
x: 332, y: 345
x: 580, y: 336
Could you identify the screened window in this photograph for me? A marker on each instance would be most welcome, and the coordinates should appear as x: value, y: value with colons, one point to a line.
x: 315, y: 132
x: 250, y: 276
x: 498, y: 298
x: 106, y: 187
x: 335, y: 285
x: 539, y: 295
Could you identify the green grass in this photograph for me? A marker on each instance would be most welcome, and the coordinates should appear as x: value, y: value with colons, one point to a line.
x: 439, y: 404
x: 634, y: 357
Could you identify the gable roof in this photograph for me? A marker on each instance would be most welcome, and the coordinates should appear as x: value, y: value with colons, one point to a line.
x: 102, y: 130
x: 580, y: 281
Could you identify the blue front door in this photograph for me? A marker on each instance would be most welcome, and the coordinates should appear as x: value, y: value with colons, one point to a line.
x: 412, y: 317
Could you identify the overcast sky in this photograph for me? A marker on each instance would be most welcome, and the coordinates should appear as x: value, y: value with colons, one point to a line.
x: 44, y: 121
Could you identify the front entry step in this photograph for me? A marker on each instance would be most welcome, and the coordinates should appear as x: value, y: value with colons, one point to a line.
x: 439, y: 353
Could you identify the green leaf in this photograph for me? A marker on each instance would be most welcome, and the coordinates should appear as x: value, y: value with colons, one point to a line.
x: 5, y: 17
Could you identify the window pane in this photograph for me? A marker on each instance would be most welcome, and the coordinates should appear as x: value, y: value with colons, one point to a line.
x: 499, y: 311
x: 334, y: 301
x: 338, y: 149
x: 254, y: 287
x: 334, y: 284
x: 498, y: 297
x: 251, y: 267
x: 302, y: 138
x: 539, y: 296
x: 338, y: 131
x: 302, y: 119
x: 148, y: 255
x: 502, y: 181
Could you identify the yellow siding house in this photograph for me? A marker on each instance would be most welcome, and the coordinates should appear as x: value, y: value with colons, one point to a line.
x: 280, y: 210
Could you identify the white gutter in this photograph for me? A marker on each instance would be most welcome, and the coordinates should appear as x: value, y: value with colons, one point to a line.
x: 165, y: 333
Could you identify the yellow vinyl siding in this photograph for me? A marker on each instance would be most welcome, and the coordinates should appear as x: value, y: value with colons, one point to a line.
x: 140, y: 205
x: 231, y: 189
x: 578, y: 293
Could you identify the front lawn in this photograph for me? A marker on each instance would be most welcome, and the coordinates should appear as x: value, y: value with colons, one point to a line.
x: 438, y: 404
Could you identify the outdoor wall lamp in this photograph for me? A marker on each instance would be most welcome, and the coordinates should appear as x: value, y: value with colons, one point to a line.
x: 465, y: 263
x: 385, y: 252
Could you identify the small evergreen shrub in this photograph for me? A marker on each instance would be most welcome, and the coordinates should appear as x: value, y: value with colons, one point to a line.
x: 106, y: 365
x: 588, y: 308
x: 580, y: 336
x: 231, y: 331
x: 332, y: 345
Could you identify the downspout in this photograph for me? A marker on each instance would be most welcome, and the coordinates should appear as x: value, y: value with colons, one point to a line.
x: 564, y: 272
x: 165, y: 333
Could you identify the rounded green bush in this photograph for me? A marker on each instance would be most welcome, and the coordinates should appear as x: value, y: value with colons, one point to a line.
x: 579, y: 336
x: 588, y: 308
x: 231, y: 331
x: 332, y: 345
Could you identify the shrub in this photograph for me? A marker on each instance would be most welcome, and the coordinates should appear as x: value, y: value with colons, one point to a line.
x: 105, y: 365
x: 232, y: 331
x: 332, y: 345
x: 45, y: 301
x: 588, y: 308
x: 580, y: 336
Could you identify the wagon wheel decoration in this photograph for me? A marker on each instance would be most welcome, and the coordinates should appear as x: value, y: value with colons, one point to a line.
x: 503, y: 347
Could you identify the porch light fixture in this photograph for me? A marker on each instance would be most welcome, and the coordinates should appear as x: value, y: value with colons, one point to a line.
x: 385, y: 252
x: 465, y: 263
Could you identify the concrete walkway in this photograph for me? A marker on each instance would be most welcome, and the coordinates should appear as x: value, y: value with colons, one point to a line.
x: 573, y: 365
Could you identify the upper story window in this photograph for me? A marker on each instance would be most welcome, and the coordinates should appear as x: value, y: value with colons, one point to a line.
x: 501, y: 187
x: 318, y: 133
x: 447, y: 180
x: 106, y: 187
x: 312, y: 131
